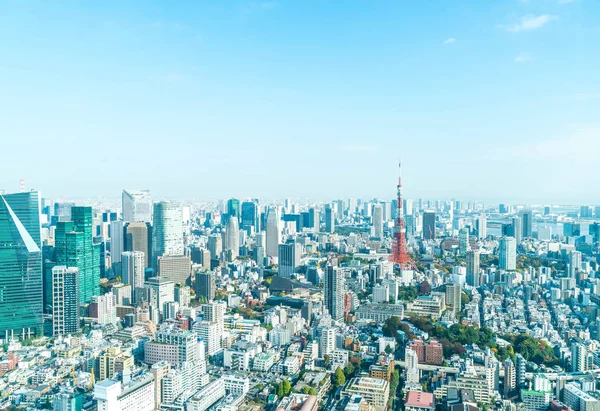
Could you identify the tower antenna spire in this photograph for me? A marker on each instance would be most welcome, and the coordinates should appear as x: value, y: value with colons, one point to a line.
x: 399, y: 254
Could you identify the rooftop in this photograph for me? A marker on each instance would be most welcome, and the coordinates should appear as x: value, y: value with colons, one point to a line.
x: 419, y: 399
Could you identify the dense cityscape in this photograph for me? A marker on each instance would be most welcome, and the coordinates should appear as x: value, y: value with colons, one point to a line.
x: 352, y: 304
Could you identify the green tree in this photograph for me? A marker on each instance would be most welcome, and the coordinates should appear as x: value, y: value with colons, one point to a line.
x: 348, y: 370
x: 338, y: 378
x: 327, y: 360
x: 286, y: 387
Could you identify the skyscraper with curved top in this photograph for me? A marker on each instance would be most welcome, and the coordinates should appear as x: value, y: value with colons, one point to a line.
x: 232, y: 236
x: 21, y: 298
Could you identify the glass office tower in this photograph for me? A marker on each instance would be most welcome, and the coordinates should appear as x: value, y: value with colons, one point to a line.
x: 20, y: 266
x: 74, y: 247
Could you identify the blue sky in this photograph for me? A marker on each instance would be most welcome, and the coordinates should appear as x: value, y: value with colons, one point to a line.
x: 492, y: 100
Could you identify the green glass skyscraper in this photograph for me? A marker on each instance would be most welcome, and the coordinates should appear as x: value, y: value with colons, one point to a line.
x: 20, y: 266
x: 74, y: 248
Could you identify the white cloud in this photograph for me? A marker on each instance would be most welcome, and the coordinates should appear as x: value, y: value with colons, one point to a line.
x: 529, y: 22
x: 523, y: 58
x: 450, y: 40
x: 358, y: 148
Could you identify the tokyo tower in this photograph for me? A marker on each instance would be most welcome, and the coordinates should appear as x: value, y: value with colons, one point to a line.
x: 399, y: 254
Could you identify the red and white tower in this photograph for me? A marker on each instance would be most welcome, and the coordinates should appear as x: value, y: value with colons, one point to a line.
x: 399, y: 255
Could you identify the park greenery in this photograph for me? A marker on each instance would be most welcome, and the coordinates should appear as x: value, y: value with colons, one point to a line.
x: 454, y: 338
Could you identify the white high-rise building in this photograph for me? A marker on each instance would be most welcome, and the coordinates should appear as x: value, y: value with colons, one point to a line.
x: 482, y: 227
x: 507, y: 253
x: 211, y: 335
x: 232, y: 237
x: 132, y: 268
x: 137, y: 206
x: 327, y: 341
x: 65, y: 300
x: 107, y: 308
x: 163, y: 289
x: 377, y: 220
x: 167, y: 238
x: 381, y: 294
x: 412, y: 368
x: 273, y: 233
x: 574, y: 263
x: 117, y: 241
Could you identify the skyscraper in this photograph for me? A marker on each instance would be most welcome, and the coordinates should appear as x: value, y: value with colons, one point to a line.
x: 117, y: 241
x: 289, y: 258
x: 473, y: 268
x: 132, y: 268
x: 482, y: 227
x: 517, y: 229
x: 65, y: 301
x: 314, y: 220
x: 205, y: 285
x: 215, y: 246
x: 377, y: 217
x: 463, y: 241
x: 429, y: 225
x: 249, y: 215
x: 232, y: 246
x: 138, y: 237
x: 21, y: 297
x: 453, y: 297
x: 507, y: 253
x: 574, y: 263
x: 273, y: 234
x: 329, y: 219
x: 527, y: 220
x: 167, y: 237
x: 137, y: 206
x: 334, y: 292
x: 74, y: 247
x: 233, y: 207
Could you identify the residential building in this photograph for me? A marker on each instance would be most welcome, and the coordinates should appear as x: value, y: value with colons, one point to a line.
x: 65, y: 301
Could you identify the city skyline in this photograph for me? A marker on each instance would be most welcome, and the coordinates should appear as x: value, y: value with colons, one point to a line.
x: 240, y: 100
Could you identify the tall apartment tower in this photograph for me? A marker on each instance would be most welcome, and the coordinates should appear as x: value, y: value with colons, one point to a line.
x: 273, y: 233
x: 334, y: 292
x: 473, y: 268
x: 453, y: 297
x: 482, y: 227
x: 507, y: 253
x: 167, y: 237
x: 21, y: 299
x: 65, y: 301
x: 377, y: 218
x: 329, y: 219
x: 132, y: 268
x: 137, y: 206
